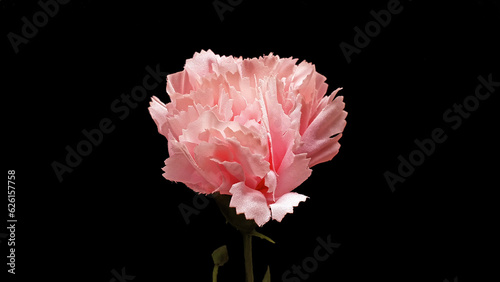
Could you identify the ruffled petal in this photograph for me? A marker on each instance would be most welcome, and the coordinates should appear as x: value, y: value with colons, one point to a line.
x: 254, y: 166
x: 317, y: 137
x: 159, y: 113
x: 180, y: 167
x: 285, y: 204
x: 250, y: 202
x: 293, y: 171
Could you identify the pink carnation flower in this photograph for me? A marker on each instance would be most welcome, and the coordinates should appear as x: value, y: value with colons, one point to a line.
x: 250, y: 128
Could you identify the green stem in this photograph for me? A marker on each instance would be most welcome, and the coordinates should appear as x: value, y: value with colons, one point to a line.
x: 214, y: 273
x: 247, y: 252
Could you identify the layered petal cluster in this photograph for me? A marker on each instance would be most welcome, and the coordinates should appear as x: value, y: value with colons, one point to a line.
x: 249, y: 128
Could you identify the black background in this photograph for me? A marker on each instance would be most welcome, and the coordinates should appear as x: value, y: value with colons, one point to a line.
x: 115, y: 210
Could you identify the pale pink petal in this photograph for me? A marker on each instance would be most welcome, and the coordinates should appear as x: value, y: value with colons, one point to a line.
x: 176, y: 123
x: 330, y: 121
x: 271, y: 181
x: 321, y: 86
x: 308, y: 88
x: 248, y: 138
x: 235, y: 171
x: 285, y: 204
x: 250, y: 202
x: 255, y: 166
x: 178, y: 83
x: 207, y: 121
x: 218, y: 165
x: 293, y: 171
x: 226, y: 64
x: 225, y: 105
x: 180, y: 167
x: 159, y: 113
x: 327, y: 149
x: 200, y: 65
x: 285, y: 67
x: 302, y: 71
x: 281, y: 134
x: 251, y: 112
x: 239, y: 102
x: 253, y: 68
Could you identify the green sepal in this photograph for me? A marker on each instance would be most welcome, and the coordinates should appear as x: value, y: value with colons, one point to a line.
x: 238, y: 221
x: 220, y: 256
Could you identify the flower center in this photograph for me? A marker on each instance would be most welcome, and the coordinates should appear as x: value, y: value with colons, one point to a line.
x: 262, y: 187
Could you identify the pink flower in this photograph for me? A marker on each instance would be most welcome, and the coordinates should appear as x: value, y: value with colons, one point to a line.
x: 250, y: 128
